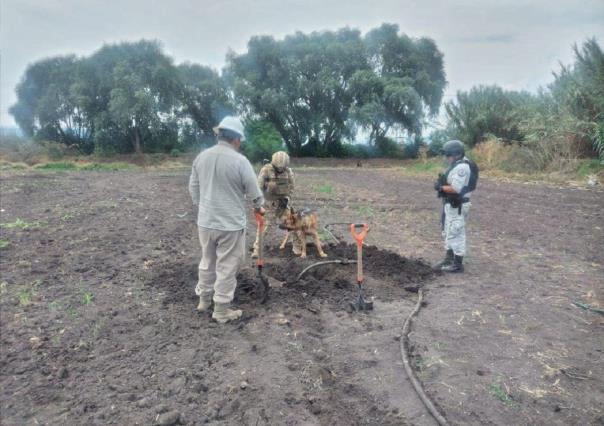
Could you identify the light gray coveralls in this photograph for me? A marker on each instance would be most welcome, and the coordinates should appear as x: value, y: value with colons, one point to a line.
x: 221, y: 181
x: 454, y: 230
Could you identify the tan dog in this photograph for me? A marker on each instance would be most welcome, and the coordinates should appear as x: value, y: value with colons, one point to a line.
x: 304, y: 223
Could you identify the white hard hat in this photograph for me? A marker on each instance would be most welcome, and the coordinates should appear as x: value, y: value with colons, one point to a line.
x: 233, y: 124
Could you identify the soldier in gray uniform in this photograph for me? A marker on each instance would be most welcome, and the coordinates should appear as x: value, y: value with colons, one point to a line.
x: 455, y: 187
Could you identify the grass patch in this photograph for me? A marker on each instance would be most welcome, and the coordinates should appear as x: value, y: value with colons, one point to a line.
x: 21, y: 224
x: 107, y: 167
x: 64, y: 165
x: 365, y: 211
x: 25, y: 295
x: 7, y: 165
x: 589, y: 167
x: 431, y: 166
x: 324, y: 189
x: 67, y: 216
x: 55, y: 305
x: 72, y: 312
x: 87, y: 297
x: 500, y: 393
x: 4, y: 244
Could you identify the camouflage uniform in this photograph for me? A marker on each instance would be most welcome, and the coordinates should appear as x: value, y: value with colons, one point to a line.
x: 277, y: 188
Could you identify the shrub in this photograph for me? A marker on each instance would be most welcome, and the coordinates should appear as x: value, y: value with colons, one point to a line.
x: 491, y: 154
x: 262, y: 141
x: 65, y: 165
x: 175, y: 152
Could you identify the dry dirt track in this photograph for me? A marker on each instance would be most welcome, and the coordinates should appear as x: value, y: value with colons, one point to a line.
x: 98, y: 320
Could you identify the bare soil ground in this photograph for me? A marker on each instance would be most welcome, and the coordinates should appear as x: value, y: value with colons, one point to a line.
x: 99, y: 325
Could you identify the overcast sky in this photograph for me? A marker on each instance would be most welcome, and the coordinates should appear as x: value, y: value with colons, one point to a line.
x: 513, y: 43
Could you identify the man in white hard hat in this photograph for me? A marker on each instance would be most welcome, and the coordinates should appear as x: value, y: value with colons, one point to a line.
x: 221, y: 181
x: 276, y: 179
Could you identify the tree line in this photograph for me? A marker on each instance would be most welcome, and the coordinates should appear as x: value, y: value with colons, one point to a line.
x: 313, y: 94
x: 566, y: 116
x: 315, y: 91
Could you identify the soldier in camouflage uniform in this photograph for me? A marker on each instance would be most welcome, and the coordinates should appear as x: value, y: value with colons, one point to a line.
x: 276, y: 179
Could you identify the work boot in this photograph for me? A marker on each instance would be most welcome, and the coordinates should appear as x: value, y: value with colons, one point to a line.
x: 204, y: 303
x: 448, y: 260
x: 223, y: 314
x: 255, y: 254
x: 455, y: 267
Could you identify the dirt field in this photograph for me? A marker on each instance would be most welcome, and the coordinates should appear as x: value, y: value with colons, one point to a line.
x: 99, y: 324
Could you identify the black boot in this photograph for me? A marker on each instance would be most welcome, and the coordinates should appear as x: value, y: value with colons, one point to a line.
x: 447, y: 261
x: 456, y: 266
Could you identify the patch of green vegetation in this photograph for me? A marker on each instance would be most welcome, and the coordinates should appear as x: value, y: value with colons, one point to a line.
x: 324, y: 189
x: 501, y: 394
x: 365, y: 210
x: 7, y: 165
x: 107, y: 167
x: 63, y: 165
x: 3, y: 287
x: 589, y: 167
x: 21, y: 224
x: 67, y: 216
x: 72, y: 312
x: 55, y: 305
x: 25, y: 295
x: 4, y: 244
x: 432, y: 166
x: 87, y: 297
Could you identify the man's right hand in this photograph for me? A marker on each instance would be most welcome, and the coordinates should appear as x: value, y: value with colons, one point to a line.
x: 260, y: 210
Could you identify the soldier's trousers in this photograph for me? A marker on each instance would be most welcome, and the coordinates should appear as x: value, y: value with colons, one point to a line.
x: 455, y: 228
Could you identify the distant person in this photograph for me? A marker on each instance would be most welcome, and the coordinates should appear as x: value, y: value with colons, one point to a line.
x: 455, y: 186
x: 276, y: 179
x: 220, y: 182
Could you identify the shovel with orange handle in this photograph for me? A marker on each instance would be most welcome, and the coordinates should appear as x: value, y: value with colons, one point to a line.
x: 260, y: 293
x: 361, y: 304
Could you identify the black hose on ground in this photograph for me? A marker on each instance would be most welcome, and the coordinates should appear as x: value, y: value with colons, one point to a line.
x: 405, y: 354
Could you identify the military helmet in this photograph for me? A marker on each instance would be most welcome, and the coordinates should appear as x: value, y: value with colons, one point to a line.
x: 280, y: 160
x: 454, y: 148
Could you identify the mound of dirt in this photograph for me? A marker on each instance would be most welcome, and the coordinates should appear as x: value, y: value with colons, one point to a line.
x: 387, y: 276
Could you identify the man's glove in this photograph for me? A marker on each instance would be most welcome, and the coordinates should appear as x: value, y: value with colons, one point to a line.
x: 437, y: 186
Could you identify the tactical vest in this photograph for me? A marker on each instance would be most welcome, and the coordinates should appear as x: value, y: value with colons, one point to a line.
x: 474, y: 172
x: 278, y: 184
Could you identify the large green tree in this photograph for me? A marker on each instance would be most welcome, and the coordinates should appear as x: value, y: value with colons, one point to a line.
x: 486, y: 111
x: 405, y: 84
x: 137, y: 90
x: 300, y: 85
x: 317, y: 88
x: 48, y: 104
x: 205, y: 99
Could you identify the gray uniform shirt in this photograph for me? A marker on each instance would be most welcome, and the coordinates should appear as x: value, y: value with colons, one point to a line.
x: 459, y: 177
x: 221, y: 180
